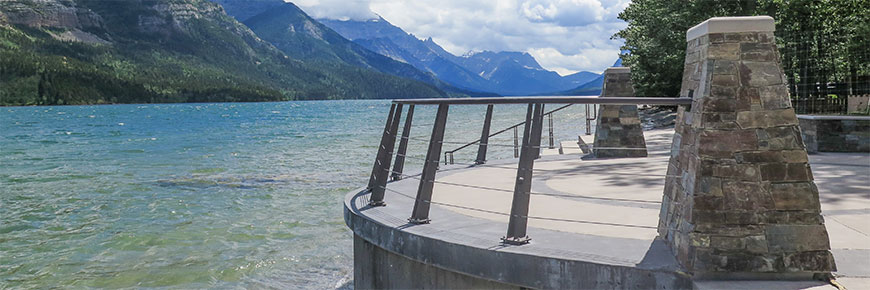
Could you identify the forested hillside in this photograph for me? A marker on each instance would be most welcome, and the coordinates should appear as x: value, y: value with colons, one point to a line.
x: 146, y: 51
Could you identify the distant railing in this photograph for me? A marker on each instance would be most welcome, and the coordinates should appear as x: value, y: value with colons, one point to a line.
x: 528, y: 152
x: 820, y: 104
x: 484, y: 137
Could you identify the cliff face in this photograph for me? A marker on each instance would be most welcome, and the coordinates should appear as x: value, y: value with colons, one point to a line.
x: 71, y: 22
x: 49, y: 13
x: 83, y: 21
x: 175, y: 16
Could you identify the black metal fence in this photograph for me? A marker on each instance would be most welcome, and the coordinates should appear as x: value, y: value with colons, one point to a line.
x: 830, y: 98
x: 824, y: 69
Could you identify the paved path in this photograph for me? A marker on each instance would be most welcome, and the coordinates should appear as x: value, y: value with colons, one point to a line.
x: 621, y: 198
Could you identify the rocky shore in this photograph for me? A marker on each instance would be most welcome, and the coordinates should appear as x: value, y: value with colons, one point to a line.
x: 657, y: 117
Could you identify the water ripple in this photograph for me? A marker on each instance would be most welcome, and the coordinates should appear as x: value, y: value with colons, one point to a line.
x: 195, y: 195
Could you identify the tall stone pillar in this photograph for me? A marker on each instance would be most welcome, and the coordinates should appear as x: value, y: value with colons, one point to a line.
x: 618, y: 132
x: 739, y: 195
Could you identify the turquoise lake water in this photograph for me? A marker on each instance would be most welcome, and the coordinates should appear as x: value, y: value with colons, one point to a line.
x: 229, y: 195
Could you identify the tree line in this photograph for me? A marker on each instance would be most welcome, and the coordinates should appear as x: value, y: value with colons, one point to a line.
x: 824, y: 44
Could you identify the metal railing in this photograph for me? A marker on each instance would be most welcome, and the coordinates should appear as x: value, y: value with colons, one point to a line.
x: 484, y: 137
x: 528, y: 151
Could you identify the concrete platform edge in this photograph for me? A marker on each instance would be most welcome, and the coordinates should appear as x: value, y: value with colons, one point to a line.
x: 491, y: 265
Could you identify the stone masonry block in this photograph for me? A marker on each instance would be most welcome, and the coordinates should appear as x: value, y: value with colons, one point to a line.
x: 749, y: 196
x: 759, y: 157
x: 725, y: 67
x: 815, y: 261
x: 765, y: 119
x: 758, y: 74
x: 724, y: 51
x: 795, y: 196
x: 748, y: 99
x: 753, y: 51
x: 797, y: 238
x: 723, y: 144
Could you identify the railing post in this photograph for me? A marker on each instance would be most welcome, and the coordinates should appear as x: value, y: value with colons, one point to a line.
x: 516, y: 233
x: 516, y: 144
x: 484, y: 137
x: 377, y: 197
x: 420, y: 215
x: 381, y: 149
x: 403, y: 146
x: 536, y: 138
x: 589, y: 121
x: 552, y: 138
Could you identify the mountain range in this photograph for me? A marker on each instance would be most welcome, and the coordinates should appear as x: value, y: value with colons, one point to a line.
x: 505, y: 73
x: 299, y: 36
x: 143, y: 51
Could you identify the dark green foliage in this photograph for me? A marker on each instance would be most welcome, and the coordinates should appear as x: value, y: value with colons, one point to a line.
x: 820, y: 40
x: 656, y: 39
x: 825, y: 42
x: 211, y: 58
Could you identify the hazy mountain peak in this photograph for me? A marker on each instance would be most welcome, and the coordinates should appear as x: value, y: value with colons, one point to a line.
x: 508, y: 73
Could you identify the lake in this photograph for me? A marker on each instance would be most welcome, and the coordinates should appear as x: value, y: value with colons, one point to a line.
x: 229, y: 195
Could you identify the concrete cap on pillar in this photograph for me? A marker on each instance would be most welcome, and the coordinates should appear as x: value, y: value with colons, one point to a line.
x: 618, y: 70
x: 730, y: 25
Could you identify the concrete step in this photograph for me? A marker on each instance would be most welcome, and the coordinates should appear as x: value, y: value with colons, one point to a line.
x: 570, y: 147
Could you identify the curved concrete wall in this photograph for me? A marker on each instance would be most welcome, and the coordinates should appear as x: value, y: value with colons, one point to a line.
x: 390, y: 257
x: 376, y: 268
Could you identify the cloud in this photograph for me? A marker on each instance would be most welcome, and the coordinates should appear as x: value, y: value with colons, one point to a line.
x: 337, y: 9
x: 568, y: 64
x: 563, y: 12
x: 563, y: 35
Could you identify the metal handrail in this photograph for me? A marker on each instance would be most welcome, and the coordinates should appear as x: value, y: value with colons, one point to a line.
x: 657, y: 100
x: 590, y: 119
x: 450, y: 153
x: 530, y: 150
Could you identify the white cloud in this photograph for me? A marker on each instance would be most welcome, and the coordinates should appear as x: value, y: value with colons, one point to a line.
x: 563, y: 12
x: 563, y: 35
x: 337, y: 9
x: 567, y: 64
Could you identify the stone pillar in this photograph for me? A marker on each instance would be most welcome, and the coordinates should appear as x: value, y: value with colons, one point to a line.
x: 618, y: 126
x: 739, y: 193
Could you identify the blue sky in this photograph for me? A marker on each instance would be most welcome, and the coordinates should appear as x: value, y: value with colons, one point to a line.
x: 563, y: 35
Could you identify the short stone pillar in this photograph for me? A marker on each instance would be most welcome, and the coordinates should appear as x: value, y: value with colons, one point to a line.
x: 739, y: 195
x: 618, y: 132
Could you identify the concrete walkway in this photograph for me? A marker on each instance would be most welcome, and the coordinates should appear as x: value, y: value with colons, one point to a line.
x: 621, y: 198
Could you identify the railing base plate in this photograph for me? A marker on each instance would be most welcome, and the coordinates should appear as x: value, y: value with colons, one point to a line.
x: 419, y: 221
x: 377, y: 203
x: 516, y: 241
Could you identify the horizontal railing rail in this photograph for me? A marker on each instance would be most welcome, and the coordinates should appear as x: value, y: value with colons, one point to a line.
x: 448, y: 155
x: 527, y: 153
x: 550, y: 100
